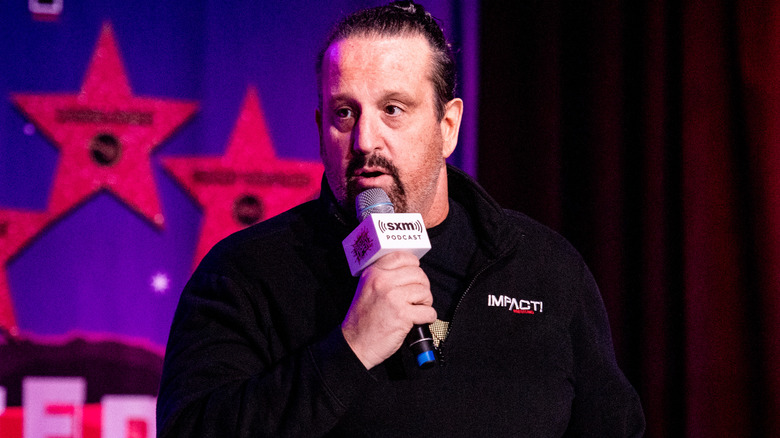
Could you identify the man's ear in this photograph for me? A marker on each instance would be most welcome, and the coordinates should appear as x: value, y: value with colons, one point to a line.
x: 450, y: 126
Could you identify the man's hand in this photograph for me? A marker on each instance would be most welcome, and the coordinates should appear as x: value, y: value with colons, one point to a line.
x: 393, y: 294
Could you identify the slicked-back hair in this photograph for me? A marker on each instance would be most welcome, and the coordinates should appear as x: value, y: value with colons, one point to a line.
x: 400, y: 18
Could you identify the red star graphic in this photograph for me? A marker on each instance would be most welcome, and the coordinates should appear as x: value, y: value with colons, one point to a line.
x: 105, y: 135
x: 246, y: 185
x: 17, y: 229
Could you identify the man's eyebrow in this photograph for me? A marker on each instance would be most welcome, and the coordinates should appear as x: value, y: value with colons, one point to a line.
x: 399, y: 95
x: 340, y: 98
x: 346, y: 98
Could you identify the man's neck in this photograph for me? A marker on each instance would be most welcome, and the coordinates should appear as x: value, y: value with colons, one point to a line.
x: 440, y: 206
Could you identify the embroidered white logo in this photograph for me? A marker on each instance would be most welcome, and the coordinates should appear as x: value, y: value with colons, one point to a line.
x: 514, y: 305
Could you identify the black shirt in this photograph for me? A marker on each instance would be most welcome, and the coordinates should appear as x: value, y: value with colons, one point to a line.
x: 452, y: 246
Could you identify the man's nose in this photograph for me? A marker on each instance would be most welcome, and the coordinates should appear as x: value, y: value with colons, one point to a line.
x: 366, y: 136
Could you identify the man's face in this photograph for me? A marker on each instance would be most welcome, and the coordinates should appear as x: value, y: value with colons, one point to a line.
x: 378, y: 123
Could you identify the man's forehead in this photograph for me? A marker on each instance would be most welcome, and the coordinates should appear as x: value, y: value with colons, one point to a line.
x: 377, y: 59
x: 379, y: 51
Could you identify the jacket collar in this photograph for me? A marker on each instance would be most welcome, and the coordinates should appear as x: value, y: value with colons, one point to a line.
x: 494, y: 230
x: 493, y: 227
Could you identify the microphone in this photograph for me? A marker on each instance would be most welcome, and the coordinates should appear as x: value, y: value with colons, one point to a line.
x: 382, y: 231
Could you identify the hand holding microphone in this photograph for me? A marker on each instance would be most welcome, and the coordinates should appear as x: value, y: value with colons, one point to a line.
x: 393, y: 294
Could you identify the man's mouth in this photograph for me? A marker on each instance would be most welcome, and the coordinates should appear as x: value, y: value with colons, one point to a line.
x: 373, y: 174
x: 369, y: 173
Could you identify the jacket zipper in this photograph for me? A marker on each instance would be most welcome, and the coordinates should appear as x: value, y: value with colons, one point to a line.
x: 440, y: 348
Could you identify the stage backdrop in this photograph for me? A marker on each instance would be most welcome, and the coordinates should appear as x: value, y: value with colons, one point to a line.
x: 646, y: 131
x: 133, y: 136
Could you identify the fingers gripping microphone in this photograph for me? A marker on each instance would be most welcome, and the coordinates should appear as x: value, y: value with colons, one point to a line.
x: 380, y: 232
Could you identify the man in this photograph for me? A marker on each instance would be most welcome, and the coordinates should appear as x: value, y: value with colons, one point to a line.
x: 274, y: 337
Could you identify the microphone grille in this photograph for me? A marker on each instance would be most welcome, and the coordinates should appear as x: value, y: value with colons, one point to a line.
x: 373, y: 200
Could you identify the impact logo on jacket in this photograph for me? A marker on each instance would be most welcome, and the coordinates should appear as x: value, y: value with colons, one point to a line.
x: 514, y: 305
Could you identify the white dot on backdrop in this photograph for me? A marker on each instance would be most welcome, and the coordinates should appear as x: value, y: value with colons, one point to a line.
x: 160, y: 283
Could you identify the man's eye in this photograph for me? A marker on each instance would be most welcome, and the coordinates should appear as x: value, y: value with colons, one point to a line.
x: 344, y: 113
x: 392, y: 110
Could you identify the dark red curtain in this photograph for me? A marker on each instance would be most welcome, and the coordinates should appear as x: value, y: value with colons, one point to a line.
x: 648, y: 134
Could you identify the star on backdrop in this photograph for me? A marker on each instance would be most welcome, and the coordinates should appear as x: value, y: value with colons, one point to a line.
x: 105, y: 135
x: 17, y: 229
x: 246, y: 185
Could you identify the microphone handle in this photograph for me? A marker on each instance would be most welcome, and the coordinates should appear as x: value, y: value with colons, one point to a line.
x: 421, y: 343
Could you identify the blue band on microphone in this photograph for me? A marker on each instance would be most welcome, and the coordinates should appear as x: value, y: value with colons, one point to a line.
x: 425, y: 357
x: 378, y: 204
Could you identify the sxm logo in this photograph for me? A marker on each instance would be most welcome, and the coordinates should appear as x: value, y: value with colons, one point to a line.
x: 514, y: 305
x: 400, y: 226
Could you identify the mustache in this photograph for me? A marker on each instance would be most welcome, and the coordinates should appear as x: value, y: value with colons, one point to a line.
x: 376, y: 161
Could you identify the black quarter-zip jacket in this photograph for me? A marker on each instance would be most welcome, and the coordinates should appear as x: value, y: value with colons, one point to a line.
x: 256, y: 349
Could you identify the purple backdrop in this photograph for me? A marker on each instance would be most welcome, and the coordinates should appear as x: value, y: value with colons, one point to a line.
x: 92, y: 269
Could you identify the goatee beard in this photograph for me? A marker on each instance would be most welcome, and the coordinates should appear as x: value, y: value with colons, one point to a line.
x: 396, y: 192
